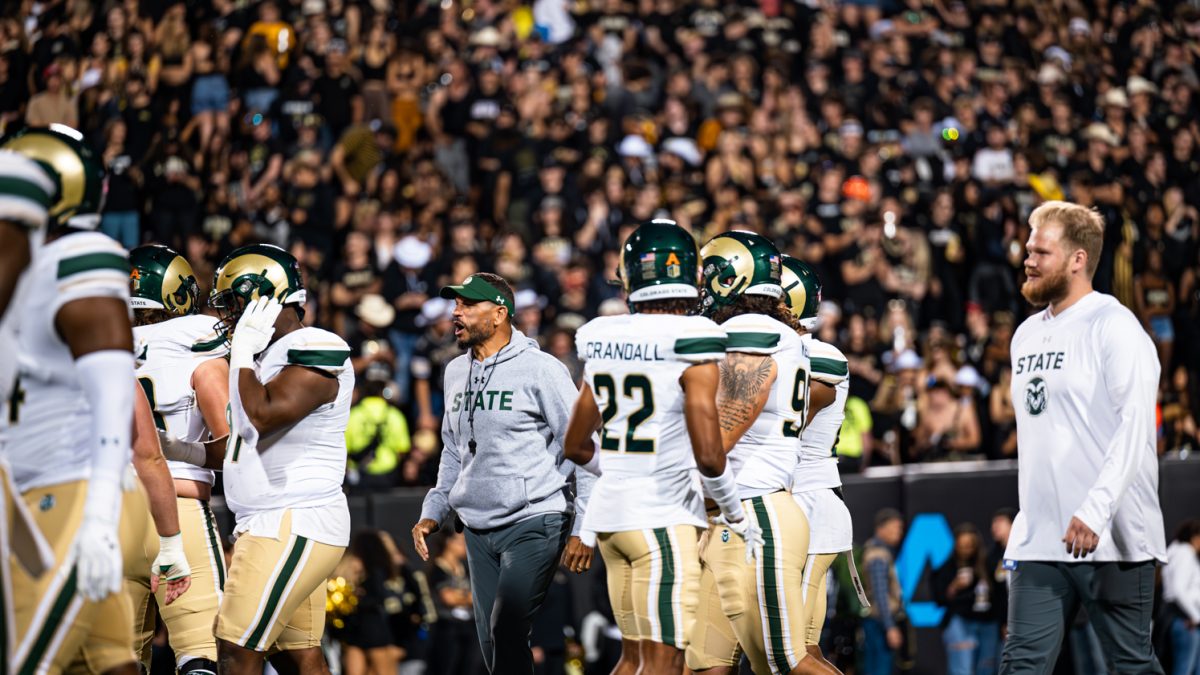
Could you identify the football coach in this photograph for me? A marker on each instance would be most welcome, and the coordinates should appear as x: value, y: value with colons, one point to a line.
x: 503, y: 470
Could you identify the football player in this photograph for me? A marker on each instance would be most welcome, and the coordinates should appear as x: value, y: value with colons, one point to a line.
x: 650, y: 384
x: 816, y: 484
x: 750, y: 597
x: 186, y: 382
x: 289, y: 390
x: 27, y: 192
x: 70, y: 439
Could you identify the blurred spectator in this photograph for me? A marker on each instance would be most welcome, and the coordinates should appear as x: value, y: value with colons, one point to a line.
x: 965, y: 587
x: 376, y: 434
x: 410, y: 609
x: 432, y: 352
x: 367, y: 641
x: 121, y: 218
x: 455, y: 648
x: 1154, y: 295
x: 854, y: 439
x: 882, y: 635
x: 406, y: 285
x: 1181, y: 593
x: 1003, y: 416
x: 947, y: 427
x: 173, y: 182
x: 54, y: 104
x: 896, y: 406
x: 1179, y: 412
x: 1002, y: 522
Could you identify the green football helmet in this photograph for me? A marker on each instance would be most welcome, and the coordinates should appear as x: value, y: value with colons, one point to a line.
x: 735, y: 264
x: 249, y: 273
x: 659, y: 260
x: 160, y: 278
x: 802, y: 291
x: 80, y: 174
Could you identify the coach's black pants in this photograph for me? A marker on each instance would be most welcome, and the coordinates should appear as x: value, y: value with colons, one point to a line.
x: 511, y: 568
x: 1044, y: 597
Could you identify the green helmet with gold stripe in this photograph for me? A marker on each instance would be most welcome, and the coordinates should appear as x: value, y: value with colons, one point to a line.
x: 80, y: 175
x: 161, y: 279
x: 738, y: 263
x: 659, y: 260
x: 251, y: 272
x: 801, y: 291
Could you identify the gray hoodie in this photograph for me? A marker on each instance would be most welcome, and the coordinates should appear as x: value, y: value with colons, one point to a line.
x: 522, y: 399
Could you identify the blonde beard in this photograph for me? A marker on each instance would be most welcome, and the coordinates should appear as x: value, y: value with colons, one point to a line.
x: 1049, y: 288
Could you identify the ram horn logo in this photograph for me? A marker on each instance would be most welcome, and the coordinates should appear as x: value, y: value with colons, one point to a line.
x: 1035, y: 396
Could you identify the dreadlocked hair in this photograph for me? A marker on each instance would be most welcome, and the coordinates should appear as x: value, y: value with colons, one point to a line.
x: 666, y: 306
x: 758, y: 304
x: 147, y: 317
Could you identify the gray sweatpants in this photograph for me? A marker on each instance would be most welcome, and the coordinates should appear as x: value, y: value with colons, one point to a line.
x: 511, y: 568
x: 1044, y: 597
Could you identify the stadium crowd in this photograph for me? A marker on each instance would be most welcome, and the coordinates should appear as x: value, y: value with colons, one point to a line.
x: 898, y: 146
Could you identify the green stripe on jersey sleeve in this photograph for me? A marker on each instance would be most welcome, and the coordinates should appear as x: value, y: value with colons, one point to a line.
x: 320, y: 358
x: 826, y: 366
x: 208, y: 345
x: 702, y: 345
x: 16, y: 186
x: 752, y: 340
x: 91, y: 262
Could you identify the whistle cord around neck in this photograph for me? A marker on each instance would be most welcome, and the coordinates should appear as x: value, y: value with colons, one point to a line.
x: 471, y: 445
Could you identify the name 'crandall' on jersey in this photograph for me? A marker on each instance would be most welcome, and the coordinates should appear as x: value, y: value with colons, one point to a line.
x: 1040, y: 361
x: 625, y: 351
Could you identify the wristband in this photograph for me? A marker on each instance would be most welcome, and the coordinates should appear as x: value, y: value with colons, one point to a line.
x: 177, y: 450
x: 723, y: 490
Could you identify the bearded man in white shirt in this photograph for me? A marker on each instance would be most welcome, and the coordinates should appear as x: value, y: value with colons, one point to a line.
x: 1085, y: 377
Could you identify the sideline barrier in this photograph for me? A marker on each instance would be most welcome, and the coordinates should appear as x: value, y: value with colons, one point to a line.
x: 934, y: 498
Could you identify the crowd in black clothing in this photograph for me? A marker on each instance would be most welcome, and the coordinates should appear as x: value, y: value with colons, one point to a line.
x: 898, y: 146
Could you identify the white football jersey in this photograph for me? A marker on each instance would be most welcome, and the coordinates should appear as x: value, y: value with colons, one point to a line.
x: 633, y: 364
x: 765, y: 457
x: 26, y: 192
x: 50, y: 441
x: 167, y: 355
x: 1084, y: 385
x: 301, y: 467
x: 817, y: 468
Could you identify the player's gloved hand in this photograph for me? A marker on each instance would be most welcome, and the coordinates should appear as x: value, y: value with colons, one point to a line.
x: 171, y: 565
x: 253, y: 332
x: 179, y: 450
x: 748, y: 531
x: 97, y: 554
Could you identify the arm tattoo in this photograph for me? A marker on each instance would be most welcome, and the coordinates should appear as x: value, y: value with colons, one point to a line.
x: 743, y: 377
